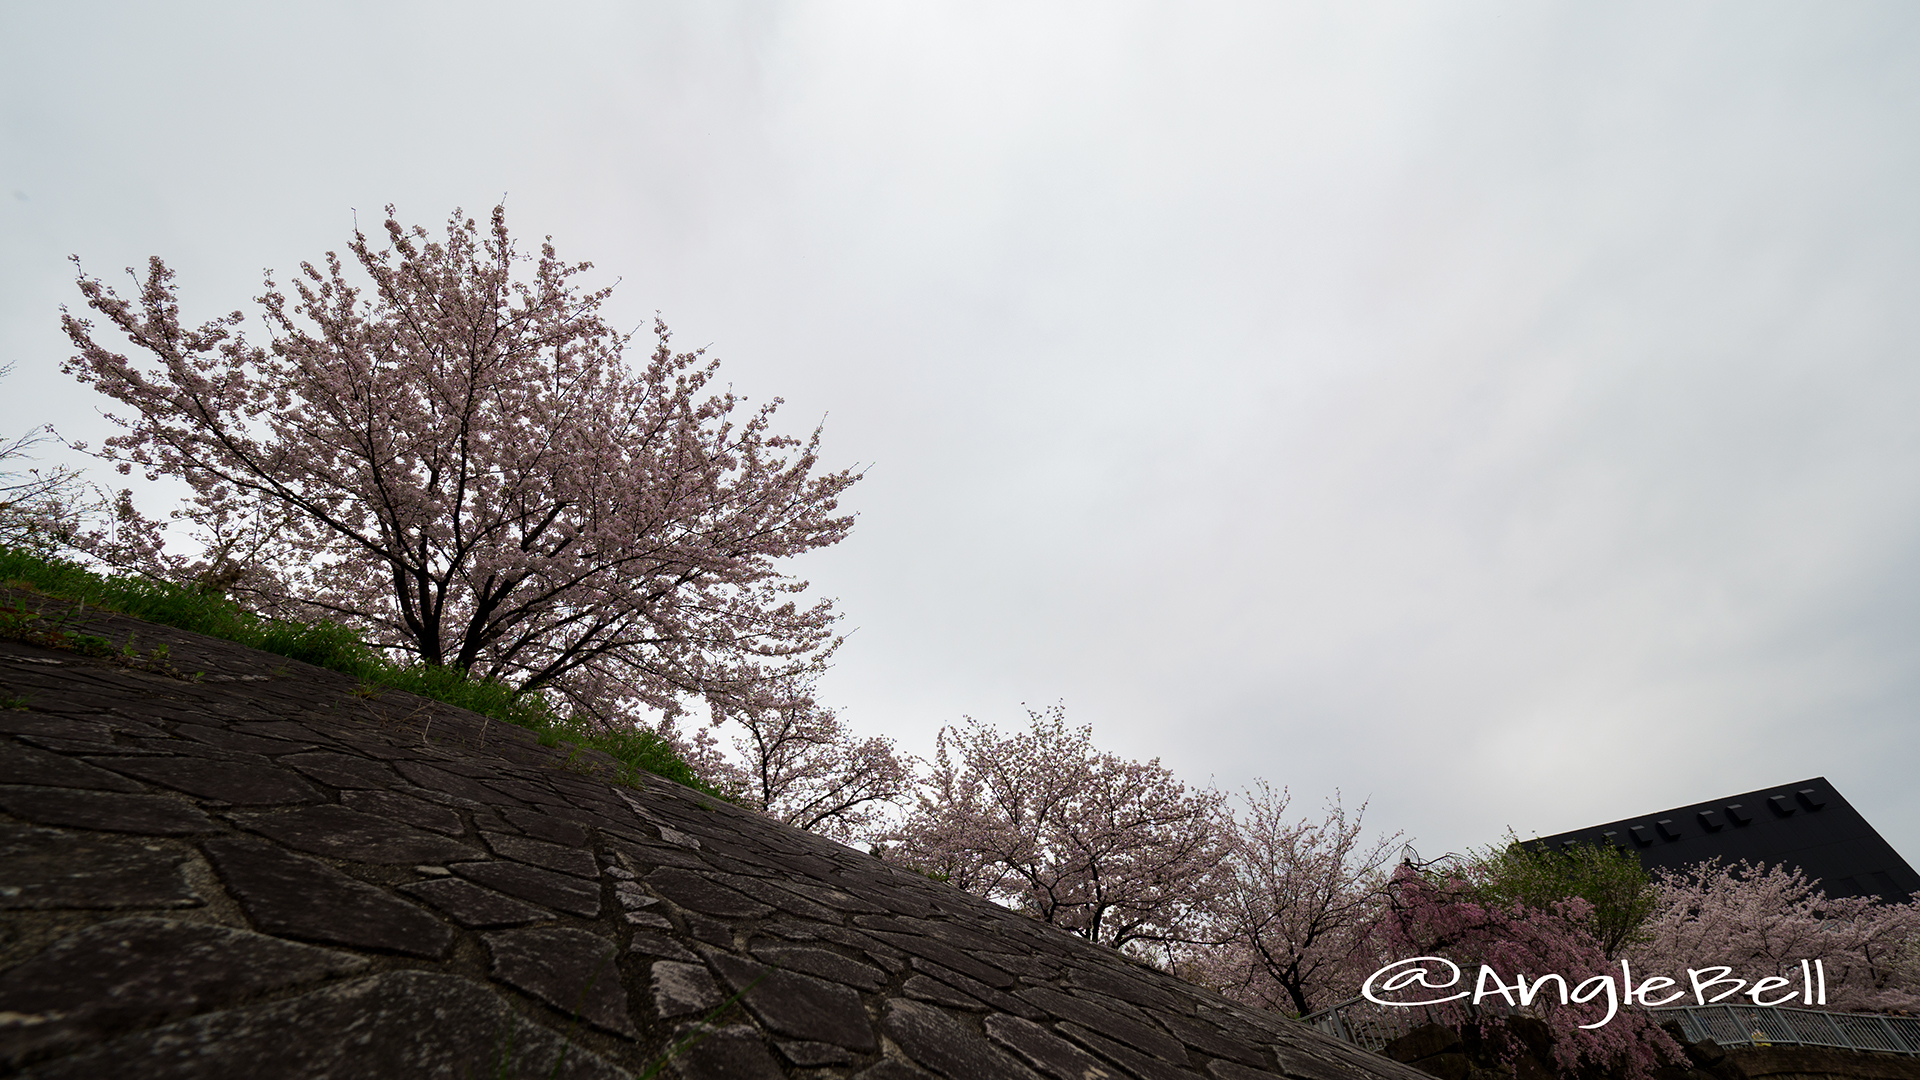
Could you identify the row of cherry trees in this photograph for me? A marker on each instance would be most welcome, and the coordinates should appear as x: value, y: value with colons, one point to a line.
x: 1242, y: 896
x: 1292, y: 912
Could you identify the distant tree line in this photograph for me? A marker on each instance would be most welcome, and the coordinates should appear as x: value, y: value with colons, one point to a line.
x: 1293, y: 912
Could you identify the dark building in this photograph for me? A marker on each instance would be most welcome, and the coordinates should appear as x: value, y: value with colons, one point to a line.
x: 1806, y: 824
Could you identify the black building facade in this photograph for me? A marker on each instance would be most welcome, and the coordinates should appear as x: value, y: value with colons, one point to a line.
x: 1806, y: 824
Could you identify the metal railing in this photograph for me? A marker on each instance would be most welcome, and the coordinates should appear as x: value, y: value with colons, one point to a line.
x: 1733, y: 1025
x: 1372, y: 1027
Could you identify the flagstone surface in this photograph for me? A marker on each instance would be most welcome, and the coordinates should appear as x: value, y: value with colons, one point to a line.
x: 266, y: 872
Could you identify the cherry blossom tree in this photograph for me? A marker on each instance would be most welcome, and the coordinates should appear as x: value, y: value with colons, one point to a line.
x: 1763, y: 921
x: 1292, y: 906
x: 798, y: 763
x: 38, y: 507
x: 41, y: 509
x: 456, y: 457
x: 1116, y: 851
x: 1443, y: 909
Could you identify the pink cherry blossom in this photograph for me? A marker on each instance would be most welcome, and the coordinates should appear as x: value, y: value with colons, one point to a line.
x: 1116, y: 851
x: 1292, y: 906
x: 799, y: 764
x: 1441, y: 910
x: 1764, y: 921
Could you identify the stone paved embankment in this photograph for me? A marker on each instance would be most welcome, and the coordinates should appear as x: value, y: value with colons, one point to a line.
x: 266, y: 874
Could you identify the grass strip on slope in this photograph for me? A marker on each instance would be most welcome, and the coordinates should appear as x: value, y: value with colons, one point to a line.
x: 338, y: 648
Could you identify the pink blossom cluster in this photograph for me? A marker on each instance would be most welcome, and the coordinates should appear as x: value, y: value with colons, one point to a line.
x: 1766, y: 921
x: 799, y: 763
x: 1116, y: 851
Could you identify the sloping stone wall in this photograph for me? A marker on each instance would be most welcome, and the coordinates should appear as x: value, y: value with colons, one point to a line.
x: 266, y: 874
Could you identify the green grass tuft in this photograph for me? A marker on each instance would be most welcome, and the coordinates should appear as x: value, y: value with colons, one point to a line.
x: 328, y: 645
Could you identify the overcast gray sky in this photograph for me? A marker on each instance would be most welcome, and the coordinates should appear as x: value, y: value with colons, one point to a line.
x: 1501, y: 412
